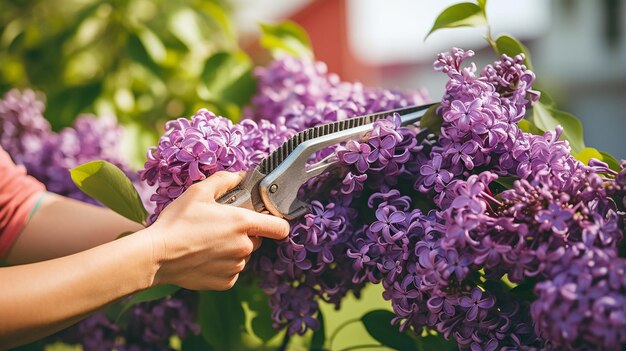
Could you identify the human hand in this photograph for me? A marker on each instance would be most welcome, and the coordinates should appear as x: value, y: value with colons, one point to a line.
x: 199, y: 244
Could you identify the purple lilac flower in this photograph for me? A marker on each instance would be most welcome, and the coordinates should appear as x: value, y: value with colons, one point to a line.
x: 582, y: 304
x: 23, y: 128
x: 418, y: 214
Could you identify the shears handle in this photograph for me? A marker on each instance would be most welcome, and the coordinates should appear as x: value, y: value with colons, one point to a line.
x: 246, y: 193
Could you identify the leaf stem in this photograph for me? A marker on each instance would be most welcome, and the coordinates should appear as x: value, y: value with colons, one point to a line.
x: 285, y: 342
x: 338, y: 329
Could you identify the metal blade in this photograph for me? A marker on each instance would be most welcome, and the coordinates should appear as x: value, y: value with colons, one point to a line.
x: 274, y: 159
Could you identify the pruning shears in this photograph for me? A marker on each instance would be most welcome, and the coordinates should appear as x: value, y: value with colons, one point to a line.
x: 274, y: 183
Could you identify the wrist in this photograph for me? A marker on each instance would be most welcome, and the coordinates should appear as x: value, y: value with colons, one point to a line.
x: 156, y: 254
x: 148, y: 256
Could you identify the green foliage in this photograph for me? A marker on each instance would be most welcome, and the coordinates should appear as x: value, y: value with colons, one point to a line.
x: 436, y: 342
x: 431, y: 121
x: 546, y: 118
x: 227, y: 79
x: 156, y: 293
x: 196, y: 343
x: 221, y: 317
x: 106, y: 183
x: 286, y: 38
x: 258, y: 304
x: 506, y: 182
x: 510, y: 46
x: 139, y: 60
x: 465, y: 14
x: 528, y: 127
x: 378, y: 324
x: 588, y: 153
x: 610, y: 160
x: 117, y: 311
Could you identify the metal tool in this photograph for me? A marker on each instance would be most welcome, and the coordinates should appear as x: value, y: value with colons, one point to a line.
x: 273, y: 185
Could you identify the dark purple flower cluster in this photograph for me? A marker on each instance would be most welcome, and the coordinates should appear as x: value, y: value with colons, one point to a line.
x: 429, y: 217
x: 28, y: 138
x: 146, y: 326
x: 437, y: 268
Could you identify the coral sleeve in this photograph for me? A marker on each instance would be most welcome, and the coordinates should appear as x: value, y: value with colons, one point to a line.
x: 19, y: 194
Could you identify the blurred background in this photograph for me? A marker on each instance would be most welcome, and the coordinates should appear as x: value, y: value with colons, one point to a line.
x: 578, y: 48
x: 148, y: 61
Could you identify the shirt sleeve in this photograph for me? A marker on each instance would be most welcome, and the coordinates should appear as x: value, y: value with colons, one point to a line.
x: 19, y: 194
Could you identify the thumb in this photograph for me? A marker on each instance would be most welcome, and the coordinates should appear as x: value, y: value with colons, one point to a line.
x: 221, y: 182
x: 264, y: 225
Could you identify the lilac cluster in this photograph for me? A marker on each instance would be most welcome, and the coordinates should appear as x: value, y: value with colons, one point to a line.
x: 429, y: 217
x: 147, y: 326
x: 28, y: 138
x: 313, y: 264
x: 191, y: 150
x: 438, y: 268
x: 22, y: 126
x: 305, y: 94
x: 583, y: 305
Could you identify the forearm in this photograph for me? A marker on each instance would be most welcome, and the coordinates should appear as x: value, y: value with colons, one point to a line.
x: 41, y: 298
x: 63, y: 226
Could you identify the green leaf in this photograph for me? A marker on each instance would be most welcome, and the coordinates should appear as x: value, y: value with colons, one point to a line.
x: 286, y: 38
x: 482, y: 4
x: 465, y: 14
x: 611, y: 161
x: 138, y: 52
x: 227, y: 77
x: 319, y: 336
x: 106, y: 183
x: 431, y: 120
x: 506, y: 182
x: 156, y: 293
x: 525, y: 290
x: 437, y: 342
x: 258, y: 302
x: 546, y: 99
x: 587, y: 154
x: 64, y: 106
x: 221, y: 318
x: 195, y: 343
x: 510, y: 46
x: 528, y: 127
x: 378, y: 325
x: 117, y: 313
x: 547, y: 118
x: 220, y: 16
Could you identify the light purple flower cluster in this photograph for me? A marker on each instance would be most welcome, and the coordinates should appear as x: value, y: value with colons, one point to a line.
x: 192, y: 150
x: 583, y: 305
x: 22, y: 126
x: 28, y: 138
x: 305, y: 94
x: 313, y: 264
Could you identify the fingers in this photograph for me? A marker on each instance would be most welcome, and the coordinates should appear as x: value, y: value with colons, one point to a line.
x: 267, y: 226
x: 219, y: 183
x: 256, y: 242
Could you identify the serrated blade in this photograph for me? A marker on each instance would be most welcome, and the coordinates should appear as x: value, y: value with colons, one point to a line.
x: 274, y: 159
